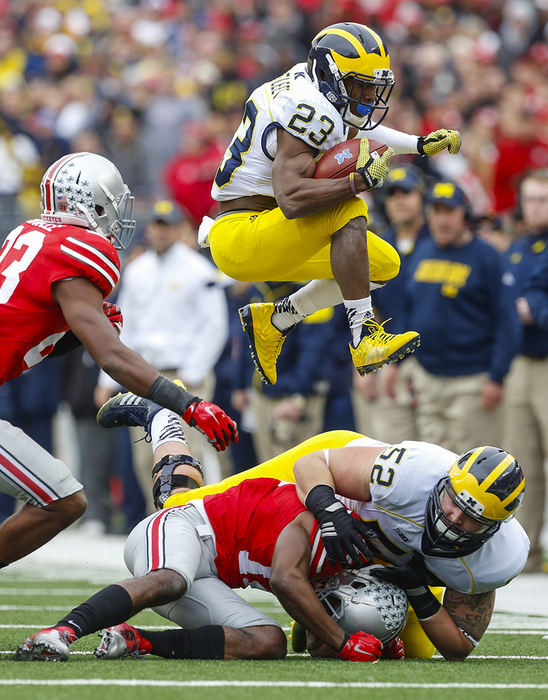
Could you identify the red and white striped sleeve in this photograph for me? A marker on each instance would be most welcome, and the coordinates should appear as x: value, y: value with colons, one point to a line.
x: 83, y: 253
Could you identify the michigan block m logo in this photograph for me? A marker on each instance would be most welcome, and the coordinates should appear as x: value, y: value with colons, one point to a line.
x: 342, y: 155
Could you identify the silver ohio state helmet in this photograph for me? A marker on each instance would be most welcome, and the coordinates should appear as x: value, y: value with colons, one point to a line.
x: 85, y: 189
x: 358, y: 601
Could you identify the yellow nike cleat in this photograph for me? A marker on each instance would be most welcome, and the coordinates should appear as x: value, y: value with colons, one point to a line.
x: 297, y: 637
x: 265, y: 340
x: 378, y: 348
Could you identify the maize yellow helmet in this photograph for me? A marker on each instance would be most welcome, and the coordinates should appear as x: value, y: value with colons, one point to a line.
x: 487, y: 484
x: 344, y: 60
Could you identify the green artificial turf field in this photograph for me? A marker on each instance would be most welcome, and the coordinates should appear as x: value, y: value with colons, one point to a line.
x: 511, y: 662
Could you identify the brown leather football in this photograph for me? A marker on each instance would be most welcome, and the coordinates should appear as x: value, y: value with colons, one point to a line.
x: 340, y: 160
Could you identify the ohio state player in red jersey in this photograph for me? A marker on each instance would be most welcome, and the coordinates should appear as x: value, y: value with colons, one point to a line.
x: 55, y: 273
x: 187, y: 559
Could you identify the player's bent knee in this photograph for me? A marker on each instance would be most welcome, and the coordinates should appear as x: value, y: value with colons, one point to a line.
x: 392, y: 266
x: 69, y: 508
x: 276, y: 643
x: 78, y: 505
x: 384, y: 259
x: 161, y: 586
x: 356, y: 225
x: 266, y: 642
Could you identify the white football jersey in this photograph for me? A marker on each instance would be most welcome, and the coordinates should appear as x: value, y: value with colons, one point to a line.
x: 401, y: 480
x: 290, y: 102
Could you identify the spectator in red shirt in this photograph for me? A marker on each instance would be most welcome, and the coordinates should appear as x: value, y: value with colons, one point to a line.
x: 189, y: 175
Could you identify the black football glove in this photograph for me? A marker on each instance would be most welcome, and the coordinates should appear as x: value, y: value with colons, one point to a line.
x: 413, y: 578
x: 342, y: 535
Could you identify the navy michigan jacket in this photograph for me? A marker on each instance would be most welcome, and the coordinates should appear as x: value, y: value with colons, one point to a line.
x: 527, y: 266
x: 457, y: 300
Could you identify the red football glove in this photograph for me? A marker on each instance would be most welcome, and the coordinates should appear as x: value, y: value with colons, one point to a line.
x: 212, y: 421
x: 361, y: 646
x: 394, y: 650
x: 114, y: 315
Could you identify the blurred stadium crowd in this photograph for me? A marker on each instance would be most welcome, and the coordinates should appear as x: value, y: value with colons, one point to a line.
x: 158, y: 87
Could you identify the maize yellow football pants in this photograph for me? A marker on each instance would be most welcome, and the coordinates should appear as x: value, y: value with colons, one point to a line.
x: 280, y: 467
x: 265, y: 246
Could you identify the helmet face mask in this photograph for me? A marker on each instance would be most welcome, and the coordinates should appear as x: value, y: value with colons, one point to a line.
x: 345, y: 60
x: 487, y: 485
x: 85, y: 189
x: 358, y: 601
x: 444, y: 537
x: 358, y: 109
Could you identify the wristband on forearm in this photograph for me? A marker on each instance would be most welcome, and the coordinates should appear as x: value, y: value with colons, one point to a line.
x: 167, y: 394
x: 352, y: 183
x: 423, y: 601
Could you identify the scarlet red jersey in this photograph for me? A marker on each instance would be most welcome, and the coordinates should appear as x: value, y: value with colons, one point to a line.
x: 247, y: 520
x: 33, y: 257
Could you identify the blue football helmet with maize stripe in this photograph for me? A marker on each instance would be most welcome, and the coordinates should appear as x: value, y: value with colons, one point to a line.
x: 344, y: 60
x: 487, y: 484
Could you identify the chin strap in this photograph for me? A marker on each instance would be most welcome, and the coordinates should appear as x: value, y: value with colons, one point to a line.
x: 91, y: 221
x: 167, y: 480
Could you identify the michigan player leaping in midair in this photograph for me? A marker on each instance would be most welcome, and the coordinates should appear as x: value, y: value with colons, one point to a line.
x: 278, y: 223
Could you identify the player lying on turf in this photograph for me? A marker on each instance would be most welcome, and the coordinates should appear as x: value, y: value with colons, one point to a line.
x: 186, y: 560
x: 55, y: 273
x: 440, y: 519
x: 278, y: 222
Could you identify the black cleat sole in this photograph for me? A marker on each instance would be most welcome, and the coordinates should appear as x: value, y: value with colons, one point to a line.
x: 406, y: 349
x: 246, y: 319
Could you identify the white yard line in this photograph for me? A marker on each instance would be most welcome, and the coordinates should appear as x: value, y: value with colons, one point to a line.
x: 265, y: 684
x: 436, y: 657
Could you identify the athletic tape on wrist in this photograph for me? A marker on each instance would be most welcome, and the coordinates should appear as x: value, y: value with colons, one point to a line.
x: 167, y: 394
x: 425, y: 604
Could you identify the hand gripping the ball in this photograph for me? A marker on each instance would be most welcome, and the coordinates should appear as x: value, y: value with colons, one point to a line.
x: 436, y: 141
x: 371, y: 166
x: 361, y: 646
x: 219, y: 429
x: 114, y: 315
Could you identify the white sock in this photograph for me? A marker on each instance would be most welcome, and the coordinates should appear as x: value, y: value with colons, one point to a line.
x: 166, y: 426
x: 357, y: 310
x: 285, y: 315
x: 314, y: 296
